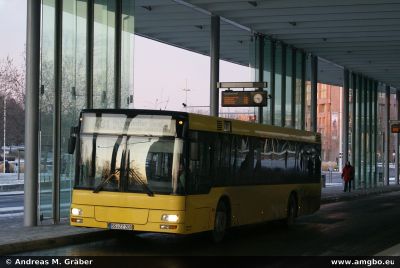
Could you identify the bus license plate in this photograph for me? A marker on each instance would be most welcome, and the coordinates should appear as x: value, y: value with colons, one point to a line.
x: 121, y: 226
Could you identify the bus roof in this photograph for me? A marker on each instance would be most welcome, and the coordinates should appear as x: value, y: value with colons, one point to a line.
x: 224, y: 125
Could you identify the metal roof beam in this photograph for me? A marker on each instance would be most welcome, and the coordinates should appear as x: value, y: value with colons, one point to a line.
x: 210, y: 4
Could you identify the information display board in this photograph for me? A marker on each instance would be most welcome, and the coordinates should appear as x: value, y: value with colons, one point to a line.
x: 244, y: 98
x: 395, y: 128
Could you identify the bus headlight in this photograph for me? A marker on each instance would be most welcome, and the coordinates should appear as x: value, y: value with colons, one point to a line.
x: 76, y: 212
x: 169, y: 218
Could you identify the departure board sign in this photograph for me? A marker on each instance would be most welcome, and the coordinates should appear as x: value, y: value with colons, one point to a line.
x: 395, y: 128
x: 244, y: 98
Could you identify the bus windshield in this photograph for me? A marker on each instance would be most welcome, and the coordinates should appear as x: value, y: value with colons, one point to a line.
x: 131, y: 159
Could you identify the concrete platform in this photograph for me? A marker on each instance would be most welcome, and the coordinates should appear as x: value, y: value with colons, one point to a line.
x: 15, y: 238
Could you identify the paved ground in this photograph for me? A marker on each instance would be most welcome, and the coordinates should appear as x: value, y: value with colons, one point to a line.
x: 14, y: 237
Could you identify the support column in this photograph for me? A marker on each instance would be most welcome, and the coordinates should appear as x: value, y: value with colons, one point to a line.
x: 58, y: 9
x: 117, y: 52
x: 303, y: 91
x: 214, y: 56
x: 89, y: 53
x: 370, y: 134
x: 358, y: 133
x: 397, y: 143
x: 272, y: 87
x: 314, y: 86
x: 353, y: 120
x: 260, y: 72
x: 387, y: 135
x: 32, y: 113
x: 365, y: 132
x: 293, y: 102
x: 345, y: 118
x: 283, y: 87
x: 375, y: 93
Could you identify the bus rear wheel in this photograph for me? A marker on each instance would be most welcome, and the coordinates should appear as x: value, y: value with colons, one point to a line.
x: 291, y: 210
x: 220, y: 222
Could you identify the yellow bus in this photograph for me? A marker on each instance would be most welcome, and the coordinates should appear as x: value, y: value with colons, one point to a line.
x: 182, y: 173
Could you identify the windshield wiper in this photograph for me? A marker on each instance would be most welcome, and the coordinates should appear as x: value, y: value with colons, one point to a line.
x: 136, y: 177
x: 105, y: 181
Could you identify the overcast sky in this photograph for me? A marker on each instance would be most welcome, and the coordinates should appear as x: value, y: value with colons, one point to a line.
x: 160, y: 74
x: 12, y: 29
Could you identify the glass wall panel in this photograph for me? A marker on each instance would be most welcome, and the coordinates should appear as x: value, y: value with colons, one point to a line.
x: 74, y: 81
x: 375, y: 132
x: 299, y: 70
x: 103, y: 54
x: 371, y: 134
x: 254, y: 53
x: 267, y: 77
x: 246, y: 69
x: 358, y: 132
x: 351, y: 119
x: 254, y: 65
x: 278, y: 84
x: 127, y: 53
x: 308, y: 94
x: 392, y: 141
x: 46, y: 110
x: 288, y: 89
x: 367, y: 134
x: 73, y: 88
x: 363, y: 133
x: 380, y: 145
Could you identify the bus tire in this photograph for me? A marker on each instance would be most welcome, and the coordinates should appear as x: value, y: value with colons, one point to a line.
x: 291, y: 210
x: 220, y: 222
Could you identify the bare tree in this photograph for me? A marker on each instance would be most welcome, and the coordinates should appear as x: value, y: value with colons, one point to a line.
x: 12, y: 95
x: 12, y: 81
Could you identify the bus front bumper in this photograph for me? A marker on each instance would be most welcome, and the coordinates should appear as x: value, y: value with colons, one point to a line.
x: 145, y: 220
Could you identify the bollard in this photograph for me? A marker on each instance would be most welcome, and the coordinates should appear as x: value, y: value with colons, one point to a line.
x: 323, y: 180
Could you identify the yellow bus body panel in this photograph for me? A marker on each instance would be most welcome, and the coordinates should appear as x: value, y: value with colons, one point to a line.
x: 251, y: 204
x: 141, y: 210
x: 248, y: 205
x: 210, y: 123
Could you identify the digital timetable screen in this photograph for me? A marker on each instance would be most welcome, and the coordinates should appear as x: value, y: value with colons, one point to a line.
x: 244, y: 98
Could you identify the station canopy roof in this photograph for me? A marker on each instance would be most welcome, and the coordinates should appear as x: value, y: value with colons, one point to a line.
x: 361, y: 35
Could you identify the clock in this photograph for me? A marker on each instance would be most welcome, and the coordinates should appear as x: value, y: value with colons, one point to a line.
x: 258, y: 98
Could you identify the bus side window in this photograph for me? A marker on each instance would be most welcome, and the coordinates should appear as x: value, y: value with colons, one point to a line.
x: 235, y: 163
x: 258, y: 154
x: 200, y: 181
x: 222, y: 156
x: 246, y: 161
x: 216, y: 175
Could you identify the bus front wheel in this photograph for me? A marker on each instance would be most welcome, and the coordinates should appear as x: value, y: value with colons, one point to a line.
x: 220, y: 222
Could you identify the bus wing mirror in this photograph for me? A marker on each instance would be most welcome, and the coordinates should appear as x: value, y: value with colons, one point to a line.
x: 194, y: 151
x: 72, y: 140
